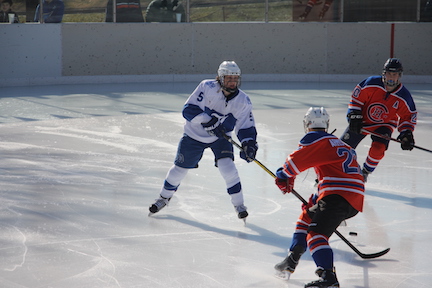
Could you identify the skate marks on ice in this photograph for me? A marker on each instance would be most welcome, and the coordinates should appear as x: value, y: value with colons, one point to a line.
x: 14, y: 243
x: 75, y: 193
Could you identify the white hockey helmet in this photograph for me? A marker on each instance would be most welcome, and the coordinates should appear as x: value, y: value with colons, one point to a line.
x: 228, y: 68
x: 316, y: 118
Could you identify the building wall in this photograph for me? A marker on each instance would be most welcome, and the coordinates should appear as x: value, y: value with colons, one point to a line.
x: 35, y: 52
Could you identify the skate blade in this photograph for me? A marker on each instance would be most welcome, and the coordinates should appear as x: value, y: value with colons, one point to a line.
x: 284, y: 275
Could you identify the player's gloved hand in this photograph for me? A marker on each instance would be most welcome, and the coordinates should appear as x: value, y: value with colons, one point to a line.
x: 286, y: 185
x: 249, y: 150
x: 312, y: 201
x: 406, y: 139
x: 355, y: 119
x: 214, y: 127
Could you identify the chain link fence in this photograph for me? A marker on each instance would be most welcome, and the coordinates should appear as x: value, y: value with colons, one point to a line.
x: 240, y: 10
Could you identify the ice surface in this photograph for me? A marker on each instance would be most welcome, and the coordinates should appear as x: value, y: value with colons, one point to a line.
x: 80, y: 164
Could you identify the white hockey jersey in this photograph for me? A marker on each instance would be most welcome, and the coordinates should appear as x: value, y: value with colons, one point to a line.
x: 208, y: 100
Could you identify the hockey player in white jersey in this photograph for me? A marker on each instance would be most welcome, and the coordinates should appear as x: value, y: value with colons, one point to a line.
x: 217, y: 107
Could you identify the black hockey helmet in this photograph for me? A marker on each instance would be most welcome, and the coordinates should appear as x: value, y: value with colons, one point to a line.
x: 393, y: 65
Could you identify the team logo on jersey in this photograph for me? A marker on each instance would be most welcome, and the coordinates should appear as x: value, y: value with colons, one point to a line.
x: 179, y: 158
x: 211, y: 84
x: 377, y: 112
x: 248, y: 100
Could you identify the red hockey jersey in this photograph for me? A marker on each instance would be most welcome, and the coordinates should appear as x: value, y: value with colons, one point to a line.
x: 382, y: 108
x: 335, y: 164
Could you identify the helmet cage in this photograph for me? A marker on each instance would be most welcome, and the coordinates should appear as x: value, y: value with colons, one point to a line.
x: 229, y: 68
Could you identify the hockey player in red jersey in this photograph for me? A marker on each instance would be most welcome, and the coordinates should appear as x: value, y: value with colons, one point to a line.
x: 310, y: 4
x: 380, y: 104
x: 339, y: 197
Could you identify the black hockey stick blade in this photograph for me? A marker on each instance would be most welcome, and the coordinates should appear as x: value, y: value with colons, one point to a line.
x: 358, y: 252
x: 374, y: 255
x: 362, y: 255
x: 295, y: 193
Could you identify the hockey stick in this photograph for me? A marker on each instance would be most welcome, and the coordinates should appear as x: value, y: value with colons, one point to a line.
x: 362, y: 255
x: 393, y: 139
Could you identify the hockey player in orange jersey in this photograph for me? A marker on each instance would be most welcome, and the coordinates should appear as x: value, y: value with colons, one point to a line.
x: 310, y: 4
x: 339, y: 197
x: 381, y: 104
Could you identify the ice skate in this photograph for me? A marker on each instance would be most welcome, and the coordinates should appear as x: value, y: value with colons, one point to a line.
x: 241, y: 212
x: 285, y: 268
x: 284, y: 275
x: 305, y: 13
x: 322, y: 14
x: 327, y: 279
x: 365, y: 173
x: 158, y: 205
x: 303, y: 16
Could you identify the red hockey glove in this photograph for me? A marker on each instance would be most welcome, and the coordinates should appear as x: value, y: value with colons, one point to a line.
x: 312, y: 201
x: 285, y: 185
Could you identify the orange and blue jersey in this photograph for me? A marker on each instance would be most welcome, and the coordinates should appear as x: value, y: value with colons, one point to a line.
x: 335, y: 164
x: 382, y: 108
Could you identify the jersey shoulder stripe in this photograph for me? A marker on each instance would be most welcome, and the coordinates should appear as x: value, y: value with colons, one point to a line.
x: 372, y: 81
x: 405, y: 95
x: 314, y: 136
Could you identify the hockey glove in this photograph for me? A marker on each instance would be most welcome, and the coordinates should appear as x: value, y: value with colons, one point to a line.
x: 286, y: 185
x: 355, y: 119
x: 406, y: 139
x: 214, y: 127
x: 249, y: 150
x: 312, y: 201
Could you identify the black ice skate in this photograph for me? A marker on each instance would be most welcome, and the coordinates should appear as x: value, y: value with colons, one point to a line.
x: 285, y: 268
x: 305, y: 13
x: 241, y: 212
x: 158, y: 205
x: 323, y: 12
x: 303, y: 16
x: 327, y: 279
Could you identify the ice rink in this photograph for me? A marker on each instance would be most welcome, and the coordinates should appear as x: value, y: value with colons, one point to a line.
x: 80, y: 164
